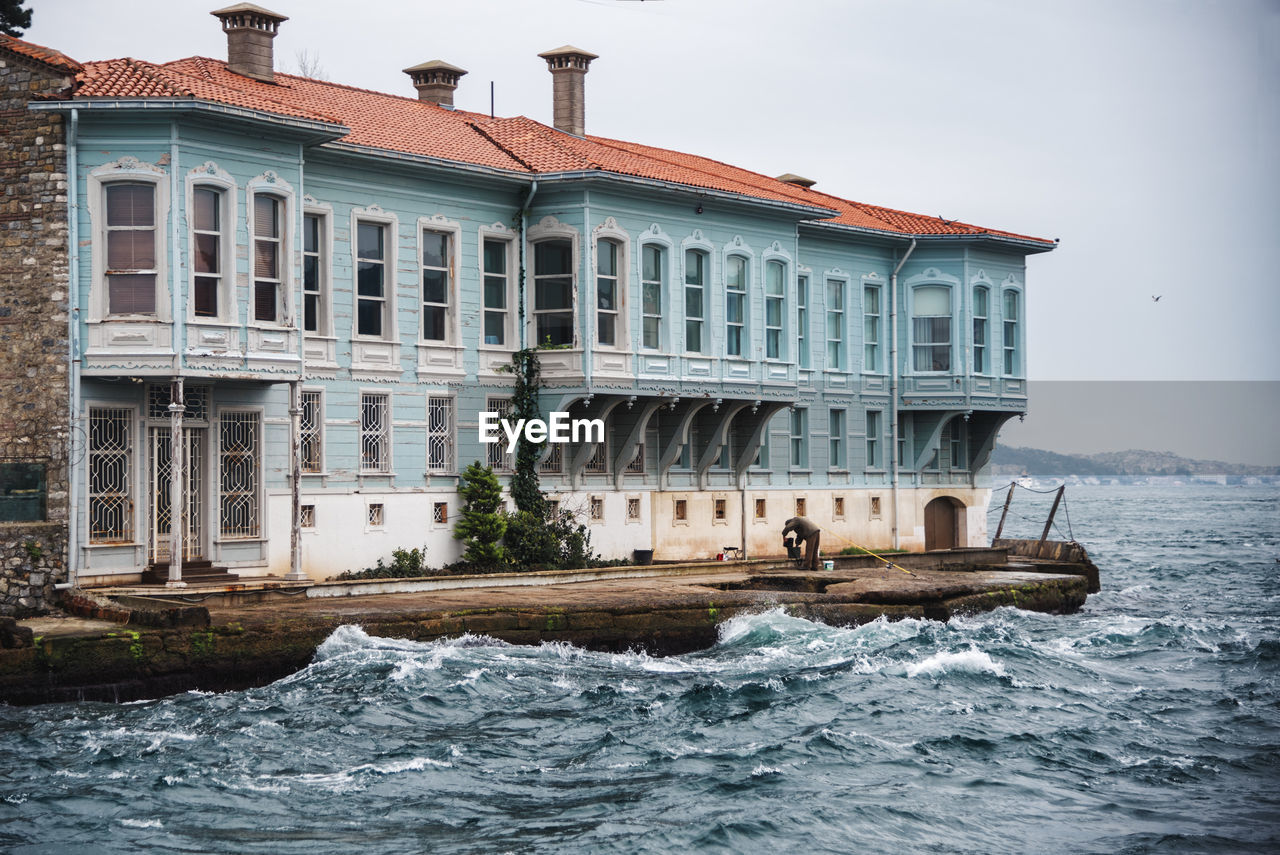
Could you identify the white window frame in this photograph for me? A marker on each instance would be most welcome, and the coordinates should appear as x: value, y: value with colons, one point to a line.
x: 128, y: 170
x: 841, y: 318
x: 837, y: 438
x: 438, y: 224
x: 131, y: 481
x: 211, y: 176
x: 318, y: 430
x: 803, y: 358
x: 260, y: 529
x: 704, y: 319
x: 950, y: 343
x: 875, y: 365
x: 375, y: 215
x: 444, y: 434
x: 609, y: 232
x: 663, y: 248
x: 778, y: 330
x: 551, y: 229
x: 742, y: 294
x: 798, y: 446
x: 384, y: 466
x: 270, y: 184
x: 501, y: 234
x: 324, y: 270
x: 875, y: 435
x: 1011, y: 352
x: 982, y: 350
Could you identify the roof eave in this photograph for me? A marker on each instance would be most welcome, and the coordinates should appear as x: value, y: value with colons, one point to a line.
x: 316, y: 131
x: 1030, y: 245
x: 427, y: 160
x: 802, y: 212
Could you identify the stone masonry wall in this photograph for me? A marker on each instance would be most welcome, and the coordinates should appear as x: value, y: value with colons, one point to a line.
x: 34, y: 423
x: 32, y: 560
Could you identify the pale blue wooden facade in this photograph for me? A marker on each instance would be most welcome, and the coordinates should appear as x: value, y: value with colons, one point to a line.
x: 697, y: 419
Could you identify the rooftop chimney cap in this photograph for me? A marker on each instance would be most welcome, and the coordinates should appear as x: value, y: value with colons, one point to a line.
x: 435, y: 81
x: 798, y: 180
x: 250, y: 32
x: 247, y: 10
x: 568, y: 56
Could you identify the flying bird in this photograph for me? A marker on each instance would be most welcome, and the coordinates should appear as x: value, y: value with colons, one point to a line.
x: 1155, y: 298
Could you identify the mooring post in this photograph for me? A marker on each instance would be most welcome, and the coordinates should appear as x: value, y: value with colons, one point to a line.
x: 1049, y: 522
x: 1004, y: 513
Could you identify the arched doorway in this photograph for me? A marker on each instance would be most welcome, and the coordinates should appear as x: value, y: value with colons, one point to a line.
x: 942, y: 524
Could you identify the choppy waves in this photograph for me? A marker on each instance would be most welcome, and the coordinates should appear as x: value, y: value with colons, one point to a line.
x: 1150, y: 722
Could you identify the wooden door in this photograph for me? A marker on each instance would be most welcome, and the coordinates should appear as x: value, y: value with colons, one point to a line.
x: 940, y: 524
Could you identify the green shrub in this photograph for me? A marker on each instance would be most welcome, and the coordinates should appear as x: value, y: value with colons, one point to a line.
x: 481, y: 524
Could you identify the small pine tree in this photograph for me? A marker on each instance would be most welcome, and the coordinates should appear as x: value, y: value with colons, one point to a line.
x: 481, y: 523
x: 14, y: 20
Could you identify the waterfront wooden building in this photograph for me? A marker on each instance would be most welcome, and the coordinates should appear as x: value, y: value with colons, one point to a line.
x: 290, y: 299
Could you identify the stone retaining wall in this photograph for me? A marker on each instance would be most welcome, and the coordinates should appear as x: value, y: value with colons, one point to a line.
x: 33, y: 558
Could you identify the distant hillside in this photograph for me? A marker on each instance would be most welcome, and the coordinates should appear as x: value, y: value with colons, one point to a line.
x: 1011, y: 461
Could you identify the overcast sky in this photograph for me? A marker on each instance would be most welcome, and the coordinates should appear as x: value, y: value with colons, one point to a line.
x: 1144, y: 135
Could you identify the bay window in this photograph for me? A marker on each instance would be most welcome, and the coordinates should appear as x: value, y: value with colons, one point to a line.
x: 931, y: 328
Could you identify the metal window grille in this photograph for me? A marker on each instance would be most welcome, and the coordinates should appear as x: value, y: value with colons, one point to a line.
x: 440, y: 512
x: 376, y: 516
x: 439, y: 434
x: 195, y: 399
x: 110, y: 465
x: 597, y: 508
x: 238, y: 473
x: 497, y: 456
x: 633, y: 509
x: 553, y: 463
x: 599, y: 460
x: 636, y: 466
x: 308, y: 516
x: 375, y: 433
x: 310, y: 432
x: 721, y: 509
x: 801, y: 507
x: 161, y: 471
x: 875, y: 506
x: 837, y: 509
x: 760, y: 509
x: 682, y: 509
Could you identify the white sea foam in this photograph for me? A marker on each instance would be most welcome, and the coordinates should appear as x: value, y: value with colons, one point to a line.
x: 971, y: 661
x: 142, y: 823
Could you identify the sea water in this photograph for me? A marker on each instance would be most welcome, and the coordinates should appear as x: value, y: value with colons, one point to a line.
x: 1148, y: 722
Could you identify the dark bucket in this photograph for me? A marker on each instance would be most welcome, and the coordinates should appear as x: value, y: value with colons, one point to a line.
x: 794, y: 552
x: 643, y: 557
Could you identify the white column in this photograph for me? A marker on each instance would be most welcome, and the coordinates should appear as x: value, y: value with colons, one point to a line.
x: 295, y: 467
x: 177, y: 485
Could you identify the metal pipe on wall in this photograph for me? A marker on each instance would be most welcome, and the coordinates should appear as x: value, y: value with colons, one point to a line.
x: 893, y: 385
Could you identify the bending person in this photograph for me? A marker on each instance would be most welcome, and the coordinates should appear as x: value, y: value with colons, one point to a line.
x: 808, y: 534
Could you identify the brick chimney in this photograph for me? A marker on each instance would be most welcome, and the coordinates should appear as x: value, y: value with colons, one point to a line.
x: 250, y: 31
x: 568, y: 66
x: 435, y: 81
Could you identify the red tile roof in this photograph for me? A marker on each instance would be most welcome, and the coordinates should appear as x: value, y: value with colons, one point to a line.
x: 49, y: 56
x: 408, y: 125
